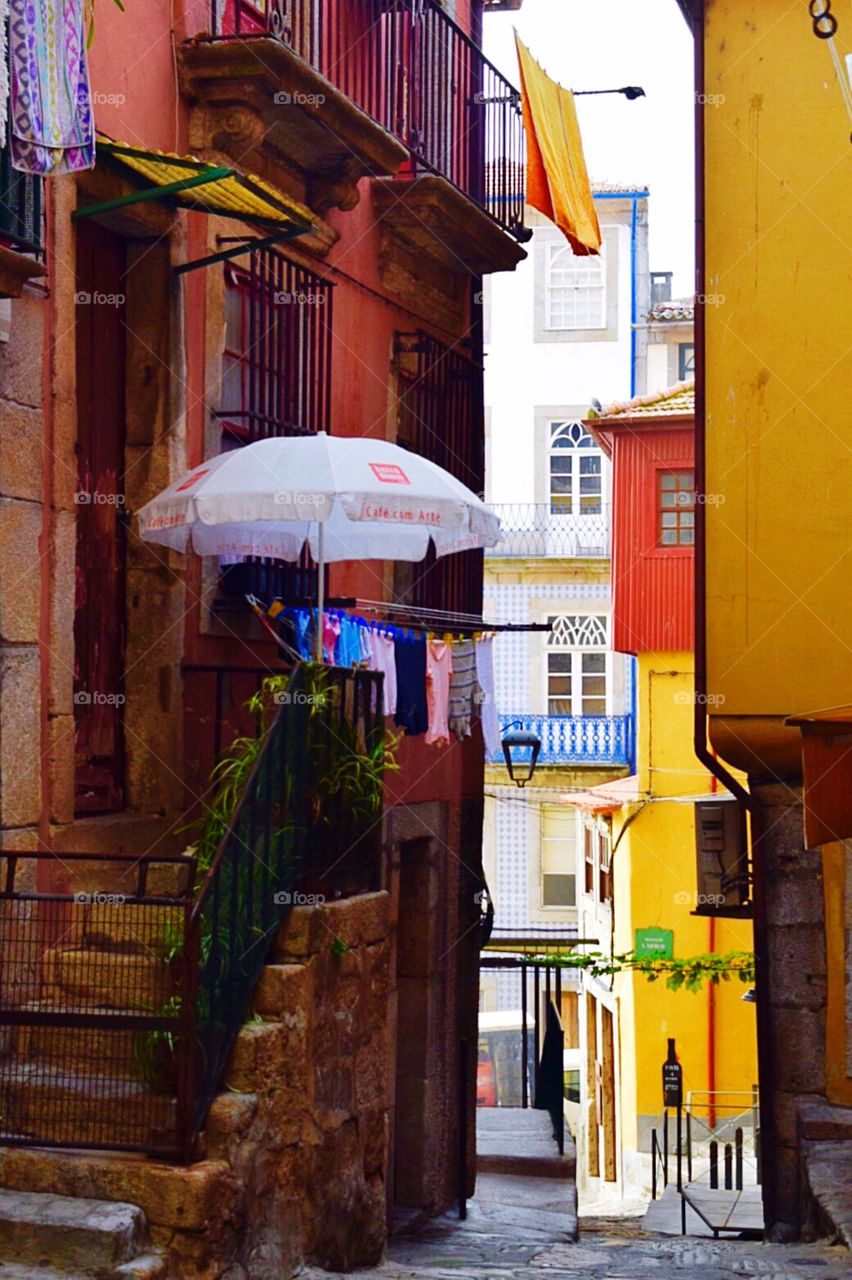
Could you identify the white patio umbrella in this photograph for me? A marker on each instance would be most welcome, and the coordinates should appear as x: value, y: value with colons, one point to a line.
x: 348, y: 498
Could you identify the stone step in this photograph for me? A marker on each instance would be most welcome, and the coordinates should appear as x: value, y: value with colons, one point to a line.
x: 106, y: 979
x: 85, y: 1235
x: 56, y: 1105
x: 172, y: 1196
x: 128, y: 1053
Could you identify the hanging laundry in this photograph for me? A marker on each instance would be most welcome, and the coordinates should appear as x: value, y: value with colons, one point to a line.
x: 330, y: 634
x: 366, y: 647
x: 52, y: 124
x: 439, y: 668
x: 557, y: 181
x: 411, y: 709
x: 488, y: 707
x: 4, y: 70
x: 463, y: 688
x: 382, y: 658
x: 349, y: 644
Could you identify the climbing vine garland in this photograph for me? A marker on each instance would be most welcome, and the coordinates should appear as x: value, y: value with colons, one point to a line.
x: 689, y: 972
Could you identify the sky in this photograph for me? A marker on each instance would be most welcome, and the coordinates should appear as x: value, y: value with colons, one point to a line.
x: 586, y: 44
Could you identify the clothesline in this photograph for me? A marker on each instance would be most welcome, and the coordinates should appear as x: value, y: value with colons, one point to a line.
x: 432, y: 685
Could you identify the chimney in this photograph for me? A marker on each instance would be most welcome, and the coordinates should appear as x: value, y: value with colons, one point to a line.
x: 661, y: 287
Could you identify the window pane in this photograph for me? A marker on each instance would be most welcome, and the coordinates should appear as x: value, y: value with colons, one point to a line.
x: 559, y: 707
x: 562, y: 465
x: 559, y: 661
x: 560, y: 485
x: 557, y: 685
x: 594, y: 686
x: 594, y: 662
x: 668, y: 537
x: 668, y: 519
x: 590, y: 465
x: 590, y: 484
x: 594, y: 706
x: 558, y: 891
x: 667, y: 480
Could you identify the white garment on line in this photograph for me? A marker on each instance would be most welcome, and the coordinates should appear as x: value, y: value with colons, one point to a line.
x: 488, y: 707
x: 384, y: 660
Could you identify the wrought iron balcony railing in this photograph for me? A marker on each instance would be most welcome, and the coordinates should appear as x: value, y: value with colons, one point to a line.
x: 573, y: 740
x: 534, y: 529
x: 416, y: 73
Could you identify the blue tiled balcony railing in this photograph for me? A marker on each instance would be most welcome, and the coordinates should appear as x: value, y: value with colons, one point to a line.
x: 577, y: 740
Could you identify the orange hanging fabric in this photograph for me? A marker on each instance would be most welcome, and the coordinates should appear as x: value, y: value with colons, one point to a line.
x: 557, y: 180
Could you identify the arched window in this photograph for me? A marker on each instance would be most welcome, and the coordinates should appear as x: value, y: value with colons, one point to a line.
x: 576, y: 470
x: 577, y: 651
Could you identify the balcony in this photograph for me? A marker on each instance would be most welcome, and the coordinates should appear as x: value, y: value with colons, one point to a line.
x: 576, y: 740
x: 532, y: 530
x: 367, y: 87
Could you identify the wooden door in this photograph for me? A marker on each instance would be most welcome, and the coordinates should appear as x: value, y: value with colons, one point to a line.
x: 99, y: 606
x: 608, y: 1093
x: 592, y: 1085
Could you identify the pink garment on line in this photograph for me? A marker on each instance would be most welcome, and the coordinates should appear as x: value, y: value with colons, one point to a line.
x: 330, y: 632
x: 439, y: 668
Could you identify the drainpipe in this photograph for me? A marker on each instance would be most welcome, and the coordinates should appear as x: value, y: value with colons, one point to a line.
x: 634, y: 218
x: 711, y: 1032
x: 760, y: 932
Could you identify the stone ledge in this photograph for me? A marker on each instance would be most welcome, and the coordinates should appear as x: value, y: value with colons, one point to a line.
x: 827, y: 1168
x: 16, y: 269
x: 433, y: 216
x: 320, y: 135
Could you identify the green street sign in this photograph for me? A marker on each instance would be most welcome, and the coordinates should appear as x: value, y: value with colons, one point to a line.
x: 655, y: 944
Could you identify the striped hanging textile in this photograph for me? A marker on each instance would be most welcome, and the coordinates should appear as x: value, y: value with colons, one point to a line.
x: 52, y: 126
x: 4, y: 69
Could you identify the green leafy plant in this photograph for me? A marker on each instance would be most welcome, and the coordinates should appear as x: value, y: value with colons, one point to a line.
x: 689, y: 972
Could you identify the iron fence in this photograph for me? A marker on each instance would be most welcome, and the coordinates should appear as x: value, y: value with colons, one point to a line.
x: 91, y: 981
x: 416, y: 73
x: 297, y: 826
x: 533, y: 530
x: 122, y: 992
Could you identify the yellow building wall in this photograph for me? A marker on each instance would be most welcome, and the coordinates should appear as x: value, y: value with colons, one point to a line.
x: 655, y: 886
x: 778, y: 372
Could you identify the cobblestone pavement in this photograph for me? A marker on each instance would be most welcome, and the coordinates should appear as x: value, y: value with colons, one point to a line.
x: 608, y: 1249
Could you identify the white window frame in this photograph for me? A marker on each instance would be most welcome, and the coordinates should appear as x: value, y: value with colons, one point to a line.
x: 570, y: 858
x: 572, y: 628
x: 574, y: 288
x: 580, y: 446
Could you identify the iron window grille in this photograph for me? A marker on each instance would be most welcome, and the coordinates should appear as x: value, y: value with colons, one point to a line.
x: 21, y: 206
x: 276, y: 381
x: 440, y: 416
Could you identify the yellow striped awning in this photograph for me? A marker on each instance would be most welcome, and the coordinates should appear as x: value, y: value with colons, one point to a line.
x: 205, y: 187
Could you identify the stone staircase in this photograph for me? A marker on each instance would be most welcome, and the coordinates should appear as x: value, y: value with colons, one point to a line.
x: 151, y: 1217
x: 51, y: 1237
x: 86, y: 1085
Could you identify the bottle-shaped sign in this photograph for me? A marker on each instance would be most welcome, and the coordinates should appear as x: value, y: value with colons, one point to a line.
x: 672, y: 1079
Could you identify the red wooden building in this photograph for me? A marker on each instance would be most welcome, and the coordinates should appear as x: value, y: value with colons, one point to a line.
x: 650, y: 440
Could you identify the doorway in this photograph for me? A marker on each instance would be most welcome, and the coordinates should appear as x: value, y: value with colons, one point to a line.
x: 99, y: 604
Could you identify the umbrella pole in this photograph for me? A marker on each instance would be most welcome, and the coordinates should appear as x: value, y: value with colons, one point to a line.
x: 320, y: 590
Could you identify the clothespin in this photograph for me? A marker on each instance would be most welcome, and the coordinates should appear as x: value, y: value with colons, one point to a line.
x: 275, y: 609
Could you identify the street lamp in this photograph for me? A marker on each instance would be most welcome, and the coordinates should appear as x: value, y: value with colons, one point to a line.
x: 521, y: 748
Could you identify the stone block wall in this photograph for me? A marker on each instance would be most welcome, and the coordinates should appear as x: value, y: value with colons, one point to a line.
x: 791, y: 995
x: 300, y: 1135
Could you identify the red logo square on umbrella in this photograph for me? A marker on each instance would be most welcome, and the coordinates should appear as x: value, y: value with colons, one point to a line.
x: 389, y: 473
